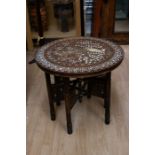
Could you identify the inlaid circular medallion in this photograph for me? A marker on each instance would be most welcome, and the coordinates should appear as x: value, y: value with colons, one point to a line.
x: 79, y: 55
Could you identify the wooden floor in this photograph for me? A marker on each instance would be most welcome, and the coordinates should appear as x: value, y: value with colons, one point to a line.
x: 90, y: 135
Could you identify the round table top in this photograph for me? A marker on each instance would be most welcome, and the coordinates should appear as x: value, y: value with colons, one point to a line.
x: 79, y: 56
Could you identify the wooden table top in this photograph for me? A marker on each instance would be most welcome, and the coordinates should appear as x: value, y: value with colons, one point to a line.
x: 79, y: 56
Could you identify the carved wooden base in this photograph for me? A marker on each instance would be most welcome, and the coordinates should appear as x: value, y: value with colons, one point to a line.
x: 71, y: 91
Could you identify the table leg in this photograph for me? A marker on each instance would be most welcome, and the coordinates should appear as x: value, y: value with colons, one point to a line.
x: 107, y: 97
x: 67, y: 105
x: 58, y: 92
x: 89, y: 88
x: 50, y: 96
x: 80, y: 91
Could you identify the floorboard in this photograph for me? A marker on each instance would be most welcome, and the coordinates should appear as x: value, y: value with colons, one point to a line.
x: 90, y: 135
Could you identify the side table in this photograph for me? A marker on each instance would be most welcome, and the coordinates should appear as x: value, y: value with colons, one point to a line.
x: 89, y: 61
